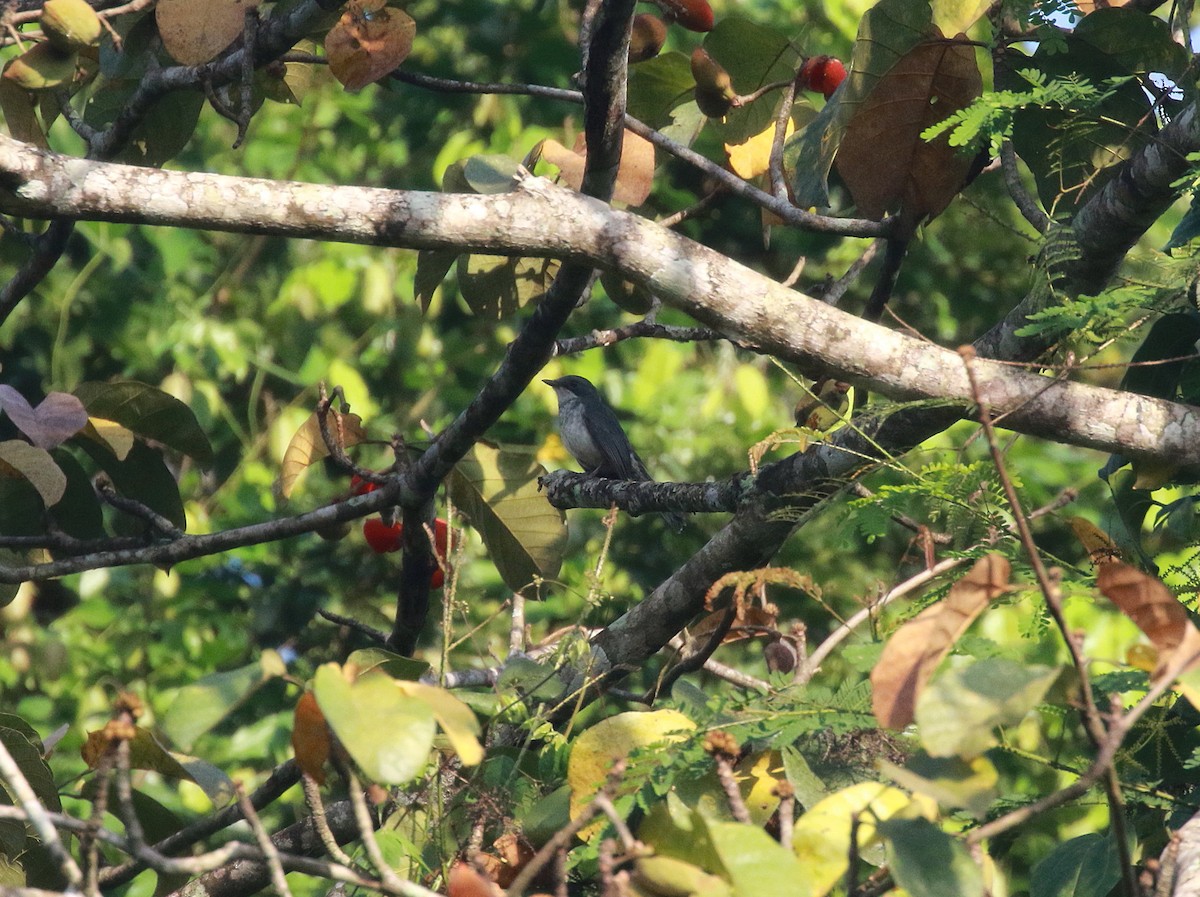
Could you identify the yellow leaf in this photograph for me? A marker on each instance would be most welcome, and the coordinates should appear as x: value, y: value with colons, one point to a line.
x: 613, y: 739
x: 112, y: 434
x: 821, y: 839
x: 308, y: 446
x: 752, y: 158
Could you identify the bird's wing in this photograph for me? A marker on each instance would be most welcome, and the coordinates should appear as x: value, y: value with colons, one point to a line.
x: 613, y: 444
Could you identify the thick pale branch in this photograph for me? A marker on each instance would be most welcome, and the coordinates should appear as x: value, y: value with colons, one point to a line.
x: 539, y: 218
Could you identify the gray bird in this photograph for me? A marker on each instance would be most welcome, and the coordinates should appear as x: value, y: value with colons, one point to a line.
x: 594, y: 437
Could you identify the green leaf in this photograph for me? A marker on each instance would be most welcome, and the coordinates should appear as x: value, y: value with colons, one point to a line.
x: 146, y: 752
x: 951, y: 781
x: 524, y: 534
x: 395, y: 665
x: 142, y: 476
x: 1171, y: 336
x: 754, y: 862
x: 432, y: 267
x: 78, y: 513
x: 388, y: 733
x: 148, y: 412
x: 490, y: 173
x: 958, y: 711
x: 495, y: 286
x: 1087, y: 866
x: 1137, y: 43
x: 199, y: 707
x: 21, y: 507
x: 754, y: 55
x: 658, y: 86
x: 927, y: 862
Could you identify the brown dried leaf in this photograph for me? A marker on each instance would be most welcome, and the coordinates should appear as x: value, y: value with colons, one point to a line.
x: 308, y: 446
x: 916, y: 648
x: 369, y: 41
x: 196, y: 32
x: 310, y: 737
x: 466, y: 882
x: 882, y: 158
x: 1100, y: 548
x: 756, y: 617
x: 634, y: 176
x: 1149, y: 603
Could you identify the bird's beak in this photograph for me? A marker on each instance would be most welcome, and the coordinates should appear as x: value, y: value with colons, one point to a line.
x: 551, y: 383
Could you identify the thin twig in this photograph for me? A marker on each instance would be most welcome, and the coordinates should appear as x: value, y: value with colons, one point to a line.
x: 270, y: 853
x: 1025, y: 203
x: 812, y: 664
x: 20, y: 788
x: 316, y: 806
x: 1052, y: 593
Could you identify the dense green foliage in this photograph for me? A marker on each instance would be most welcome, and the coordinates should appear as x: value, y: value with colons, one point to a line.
x: 243, y: 330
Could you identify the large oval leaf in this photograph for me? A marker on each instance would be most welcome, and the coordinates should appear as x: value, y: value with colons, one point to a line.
x: 148, y: 412
x: 37, y: 466
x: 388, y: 732
x: 497, y: 489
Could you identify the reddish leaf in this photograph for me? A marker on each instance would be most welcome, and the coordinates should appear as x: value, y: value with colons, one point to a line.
x: 882, y: 158
x: 56, y: 419
x: 310, y: 737
x: 368, y: 42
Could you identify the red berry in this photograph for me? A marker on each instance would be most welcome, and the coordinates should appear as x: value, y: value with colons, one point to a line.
x: 382, y: 538
x: 694, y: 15
x: 440, y: 540
x: 359, y: 486
x: 822, y: 74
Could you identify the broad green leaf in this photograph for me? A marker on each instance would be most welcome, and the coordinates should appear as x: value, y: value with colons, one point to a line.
x: 308, y: 446
x: 118, y: 439
x: 148, y: 412
x: 659, y: 85
x: 142, y: 476
x: 1087, y: 866
x: 395, y: 665
x: 754, y: 55
x: 955, y: 16
x: 26, y: 752
x: 754, y: 862
x: 958, y: 712
x: 199, y: 707
x: 432, y: 267
x: 810, y: 790
x: 9, y: 558
x: 78, y: 513
x: 161, y: 134
x: 1138, y: 43
x: 497, y: 490
x: 951, y: 781
x: 927, y: 862
x: 21, y: 507
x: 668, y: 875
x: 37, y: 466
x: 495, y: 286
x: 490, y: 173
x: 630, y: 297
x: 388, y: 733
